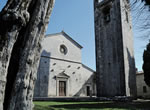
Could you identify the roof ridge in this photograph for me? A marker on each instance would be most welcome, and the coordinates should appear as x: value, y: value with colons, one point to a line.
x: 65, y: 35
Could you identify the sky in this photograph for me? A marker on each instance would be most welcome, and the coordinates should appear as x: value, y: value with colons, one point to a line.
x: 141, y: 37
x: 76, y: 18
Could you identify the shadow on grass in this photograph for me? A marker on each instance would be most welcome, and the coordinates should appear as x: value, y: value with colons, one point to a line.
x: 112, y: 105
x: 39, y: 107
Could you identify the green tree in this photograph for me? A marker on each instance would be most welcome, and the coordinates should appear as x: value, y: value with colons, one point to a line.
x: 146, y: 54
x: 146, y: 65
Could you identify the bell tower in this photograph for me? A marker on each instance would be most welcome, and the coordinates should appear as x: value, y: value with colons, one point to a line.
x: 115, y: 64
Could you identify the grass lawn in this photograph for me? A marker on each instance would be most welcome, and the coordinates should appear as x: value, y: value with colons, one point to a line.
x: 106, y: 105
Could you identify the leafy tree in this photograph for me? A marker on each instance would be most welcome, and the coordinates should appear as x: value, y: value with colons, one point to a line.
x: 146, y: 65
x: 22, y: 27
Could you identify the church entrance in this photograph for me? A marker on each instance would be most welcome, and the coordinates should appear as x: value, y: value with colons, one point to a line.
x: 62, y: 88
x: 88, y: 90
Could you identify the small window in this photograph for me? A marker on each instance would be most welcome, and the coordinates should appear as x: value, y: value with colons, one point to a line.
x: 52, y: 70
x: 63, y: 49
x: 54, y: 63
x: 100, y: 1
x: 144, y: 89
x: 106, y: 12
x: 127, y: 1
x: 127, y: 18
x: 69, y: 66
x: 78, y: 68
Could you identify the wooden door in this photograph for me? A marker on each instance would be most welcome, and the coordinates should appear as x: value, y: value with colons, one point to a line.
x: 88, y: 90
x: 62, y: 88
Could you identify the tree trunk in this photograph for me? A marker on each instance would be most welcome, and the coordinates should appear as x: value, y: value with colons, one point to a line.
x: 22, y: 25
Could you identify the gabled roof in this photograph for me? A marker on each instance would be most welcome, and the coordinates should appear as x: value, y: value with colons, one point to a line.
x: 88, y: 68
x: 139, y: 72
x: 62, y: 75
x: 67, y: 36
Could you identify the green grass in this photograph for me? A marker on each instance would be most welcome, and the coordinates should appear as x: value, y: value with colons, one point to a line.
x: 51, y: 105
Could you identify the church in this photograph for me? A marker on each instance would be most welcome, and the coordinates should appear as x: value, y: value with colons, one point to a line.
x: 61, y: 72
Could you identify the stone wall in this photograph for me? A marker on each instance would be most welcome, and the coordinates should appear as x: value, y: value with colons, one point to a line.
x: 114, y: 50
x: 52, y: 44
x: 79, y: 78
x: 56, y: 66
x: 128, y: 50
x: 142, y: 89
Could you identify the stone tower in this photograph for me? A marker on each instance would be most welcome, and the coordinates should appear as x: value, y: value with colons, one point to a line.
x: 114, y: 49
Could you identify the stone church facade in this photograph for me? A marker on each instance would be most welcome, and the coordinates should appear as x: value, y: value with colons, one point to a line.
x: 61, y: 72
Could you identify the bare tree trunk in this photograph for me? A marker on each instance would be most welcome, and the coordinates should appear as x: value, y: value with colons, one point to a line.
x: 12, y: 18
x: 23, y: 23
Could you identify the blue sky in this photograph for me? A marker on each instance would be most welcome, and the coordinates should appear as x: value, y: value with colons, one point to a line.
x: 140, y: 36
x: 76, y: 18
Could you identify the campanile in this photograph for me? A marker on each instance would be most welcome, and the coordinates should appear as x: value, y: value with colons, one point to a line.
x: 115, y: 64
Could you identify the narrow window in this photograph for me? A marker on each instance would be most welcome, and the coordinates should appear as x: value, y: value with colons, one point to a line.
x: 127, y: 16
x: 144, y: 89
x: 45, y: 79
x: 88, y: 90
x: 106, y: 13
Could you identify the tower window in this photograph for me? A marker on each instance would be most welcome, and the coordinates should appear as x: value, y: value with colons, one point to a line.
x: 127, y: 1
x: 144, y: 89
x: 100, y: 1
x: 106, y: 13
x: 127, y: 16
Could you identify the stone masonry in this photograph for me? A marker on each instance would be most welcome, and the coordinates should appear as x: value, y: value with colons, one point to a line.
x: 61, y: 72
x: 114, y: 49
